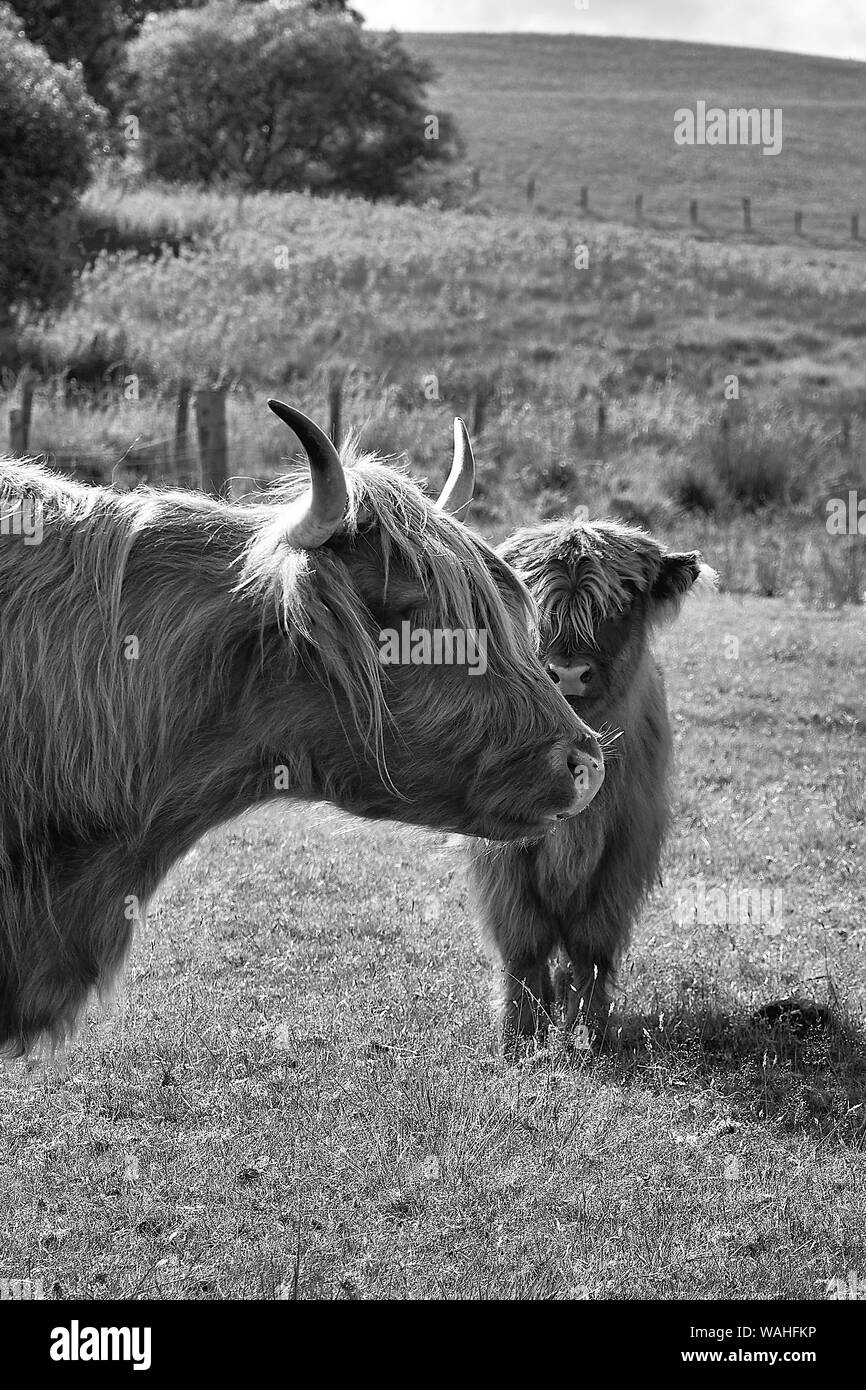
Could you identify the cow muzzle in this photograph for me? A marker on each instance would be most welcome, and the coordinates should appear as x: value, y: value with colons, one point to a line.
x: 577, y: 680
x: 585, y: 763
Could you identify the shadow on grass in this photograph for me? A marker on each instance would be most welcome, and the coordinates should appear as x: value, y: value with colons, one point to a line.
x: 794, y: 1062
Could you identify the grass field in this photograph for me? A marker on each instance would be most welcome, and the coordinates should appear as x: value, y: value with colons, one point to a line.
x: 299, y: 1094
x: 600, y: 112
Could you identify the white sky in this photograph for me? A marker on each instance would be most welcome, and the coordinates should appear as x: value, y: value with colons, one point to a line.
x: 835, y: 28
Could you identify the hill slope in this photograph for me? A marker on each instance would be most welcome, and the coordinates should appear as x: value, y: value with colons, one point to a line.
x: 600, y: 112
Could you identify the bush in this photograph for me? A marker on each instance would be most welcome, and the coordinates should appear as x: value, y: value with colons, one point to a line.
x: 266, y: 98
x: 750, y: 465
x: 48, y: 135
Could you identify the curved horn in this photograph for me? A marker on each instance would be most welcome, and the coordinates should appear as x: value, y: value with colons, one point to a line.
x: 457, y: 493
x: 319, y: 512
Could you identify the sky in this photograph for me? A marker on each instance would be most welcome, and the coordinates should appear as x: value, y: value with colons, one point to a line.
x: 834, y: 28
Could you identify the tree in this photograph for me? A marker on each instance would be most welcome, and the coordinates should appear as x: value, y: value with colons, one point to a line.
x: 94, y: 33
x: 262, y: 96
x: 90, y: 32
x: 49, y: 131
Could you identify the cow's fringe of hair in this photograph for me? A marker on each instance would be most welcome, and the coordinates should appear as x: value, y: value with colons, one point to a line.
x: 582, y: 574
x: 460, y: 592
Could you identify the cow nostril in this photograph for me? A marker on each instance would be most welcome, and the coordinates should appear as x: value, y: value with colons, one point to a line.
x: 577, y: 761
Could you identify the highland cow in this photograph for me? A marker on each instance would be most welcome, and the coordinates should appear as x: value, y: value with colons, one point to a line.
x: 558, y: 911
x: 170, y: 659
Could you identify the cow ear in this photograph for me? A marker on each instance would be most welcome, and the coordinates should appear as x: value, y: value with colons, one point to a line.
x: 677, y: 574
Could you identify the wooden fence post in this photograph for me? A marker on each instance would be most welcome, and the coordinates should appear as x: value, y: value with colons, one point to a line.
x: 693, y: 211
x: 584, y: 198
x: 725, y: 429
x: 530, y: 190
x: 335, y: 407
x: 476, y: 179
x: 747, y: 214
x: 638, y: 208
x: 181, y: 425
x: 16, y: 432
x: 845, y: 440
x: 798, y: 223
x: 210, y: 416
x: 480, y: 397
x: 855, y: 227
x: 19, y: 417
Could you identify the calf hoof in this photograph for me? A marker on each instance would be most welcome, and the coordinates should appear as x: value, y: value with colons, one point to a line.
x: 522, y: 1030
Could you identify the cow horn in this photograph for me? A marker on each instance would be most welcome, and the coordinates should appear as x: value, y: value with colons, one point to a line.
x: 319, y: 512
x: 457, y: 493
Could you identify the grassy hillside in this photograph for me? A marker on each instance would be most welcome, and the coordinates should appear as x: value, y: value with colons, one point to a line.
x: 432, y: 313
x: 600, y: 112
x: 299, y: 1095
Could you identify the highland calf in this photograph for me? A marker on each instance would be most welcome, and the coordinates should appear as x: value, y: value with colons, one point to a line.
x: 170, y: 659
x: 558, y: 911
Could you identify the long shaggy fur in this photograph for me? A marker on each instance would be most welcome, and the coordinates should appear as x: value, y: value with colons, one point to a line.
x: 168, y: 660
x: 558, y: 912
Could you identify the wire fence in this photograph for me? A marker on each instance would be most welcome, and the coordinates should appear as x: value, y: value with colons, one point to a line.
x: 166, y: 461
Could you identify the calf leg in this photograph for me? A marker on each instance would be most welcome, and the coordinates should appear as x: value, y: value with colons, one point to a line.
x: 595, y: 940
x: 520, y: 935
x: 588, y: 991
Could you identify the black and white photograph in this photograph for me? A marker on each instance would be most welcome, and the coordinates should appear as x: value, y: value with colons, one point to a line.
x: 432, y: 670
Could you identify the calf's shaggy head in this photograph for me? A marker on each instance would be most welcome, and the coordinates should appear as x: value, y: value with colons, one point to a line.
x: 599, y: 586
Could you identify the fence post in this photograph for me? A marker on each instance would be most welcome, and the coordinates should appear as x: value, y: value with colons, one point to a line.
x: 638, y: 208
x: 725, y: 429
x: 855, y: 227
x: 693, y: 212
x: 747, y: 214
x: 846, y: 433
x: 798, y: 223
x: 19, y: 417
x: 181, y: 425
x: 480, y: 397
x: 584, y: 198
x: 476, y: 179
x: 530, y: 190
x: 16, y: 432
x: 335, y: 407
x: 210, y: 416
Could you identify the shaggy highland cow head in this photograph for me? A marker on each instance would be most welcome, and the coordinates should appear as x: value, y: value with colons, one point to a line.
x: 599, y: 586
